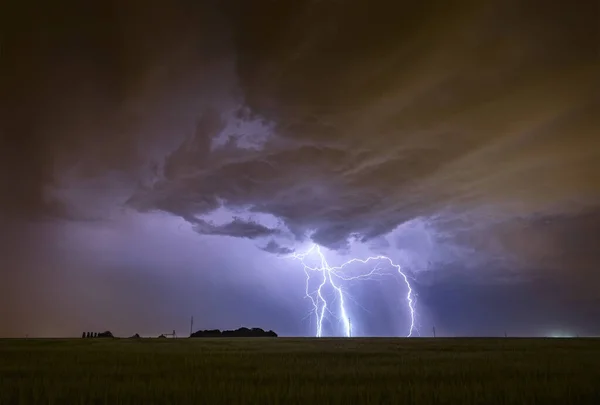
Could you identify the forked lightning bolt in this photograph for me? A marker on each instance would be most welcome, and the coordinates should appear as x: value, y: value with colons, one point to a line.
x: 334, y: 277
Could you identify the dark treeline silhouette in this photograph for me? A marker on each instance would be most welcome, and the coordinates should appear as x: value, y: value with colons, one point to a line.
x: 241, y: 332
x: 106, y: 334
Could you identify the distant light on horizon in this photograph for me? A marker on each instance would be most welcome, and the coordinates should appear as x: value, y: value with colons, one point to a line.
x: 561, y: 334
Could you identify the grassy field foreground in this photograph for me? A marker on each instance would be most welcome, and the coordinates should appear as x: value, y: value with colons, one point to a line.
x: 300, y: 371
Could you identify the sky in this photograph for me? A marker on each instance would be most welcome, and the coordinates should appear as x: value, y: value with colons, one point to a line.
x: 165, y: 159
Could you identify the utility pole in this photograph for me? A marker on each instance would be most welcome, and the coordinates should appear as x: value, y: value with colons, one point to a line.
x: 434, y: 331
x: 191, y: 325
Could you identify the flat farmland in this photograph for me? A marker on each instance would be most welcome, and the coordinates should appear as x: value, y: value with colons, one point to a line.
x: 300, y: 371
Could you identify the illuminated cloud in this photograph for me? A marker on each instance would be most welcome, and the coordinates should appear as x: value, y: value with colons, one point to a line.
x: 435, y: 119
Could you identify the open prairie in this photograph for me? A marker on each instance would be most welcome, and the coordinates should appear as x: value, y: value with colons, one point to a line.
x: 300, y: 371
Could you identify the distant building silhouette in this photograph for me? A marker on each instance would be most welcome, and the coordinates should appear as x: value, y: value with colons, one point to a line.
x: 241, y: 332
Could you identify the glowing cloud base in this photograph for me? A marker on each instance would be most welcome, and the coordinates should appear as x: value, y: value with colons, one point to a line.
x: 334, y: 277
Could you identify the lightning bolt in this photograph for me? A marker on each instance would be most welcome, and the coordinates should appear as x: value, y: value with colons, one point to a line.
x: 334, y: 276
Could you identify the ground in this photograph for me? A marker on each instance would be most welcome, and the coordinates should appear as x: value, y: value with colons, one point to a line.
x: 300, y: 371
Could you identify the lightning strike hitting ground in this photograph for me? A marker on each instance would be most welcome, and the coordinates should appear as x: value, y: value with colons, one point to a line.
x: 334, y: 277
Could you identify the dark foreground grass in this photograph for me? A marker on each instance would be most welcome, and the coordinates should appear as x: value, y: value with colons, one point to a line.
x: 300, y: 371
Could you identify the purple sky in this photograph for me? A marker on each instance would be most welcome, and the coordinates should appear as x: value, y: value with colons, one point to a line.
x: 157, y: 158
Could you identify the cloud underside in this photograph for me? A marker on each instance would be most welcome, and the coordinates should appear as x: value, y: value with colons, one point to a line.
x: 376, y: 124
x: 275, y: 248
x: 236, y: 228
x: 342, y: 121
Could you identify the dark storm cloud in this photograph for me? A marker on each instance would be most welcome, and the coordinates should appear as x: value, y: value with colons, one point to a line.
x: 276, y: 248
x: 90, y: 91
x: 386, y: 113
x: 236, y: 228
x: 381, y: 113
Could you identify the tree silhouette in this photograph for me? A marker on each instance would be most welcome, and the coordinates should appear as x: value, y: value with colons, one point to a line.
x: 241, y: 332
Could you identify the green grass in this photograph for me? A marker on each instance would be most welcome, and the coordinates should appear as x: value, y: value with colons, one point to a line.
x: 300, y: 371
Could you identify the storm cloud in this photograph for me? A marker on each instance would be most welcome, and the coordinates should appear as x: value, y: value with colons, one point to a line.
x: 388, y: 113
x: 276, y: 248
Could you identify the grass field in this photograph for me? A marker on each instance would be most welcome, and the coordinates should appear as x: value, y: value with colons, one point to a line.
x: 300, y: 371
